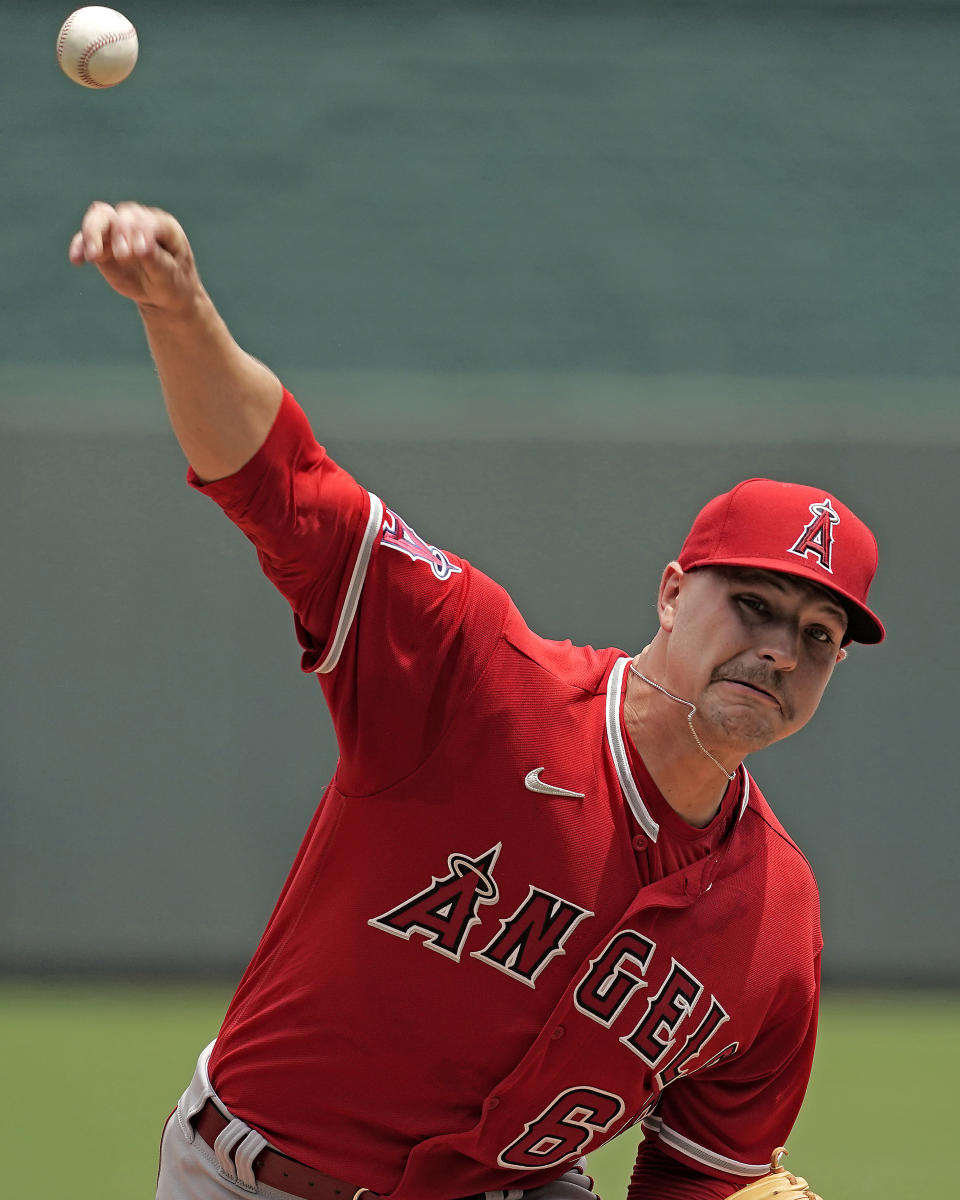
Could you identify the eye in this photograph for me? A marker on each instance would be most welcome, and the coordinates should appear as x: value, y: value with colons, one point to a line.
x: 755, y: 604
x: 825, y: 636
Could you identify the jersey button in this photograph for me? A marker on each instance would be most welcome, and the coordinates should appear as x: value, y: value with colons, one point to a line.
x: 558, y: 1032
x: 640, y: 842
x: 493, y: 1101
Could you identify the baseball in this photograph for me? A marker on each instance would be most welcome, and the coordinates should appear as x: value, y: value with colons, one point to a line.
x: 97, y: 47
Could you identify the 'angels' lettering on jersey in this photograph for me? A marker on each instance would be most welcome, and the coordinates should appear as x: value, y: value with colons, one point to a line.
x: 446, y: 911
x: 619, y: 973
x: 397, y: 535
x: 534, y: 935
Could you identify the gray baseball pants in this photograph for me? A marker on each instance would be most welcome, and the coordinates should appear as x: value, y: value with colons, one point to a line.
x: 190, y: 1169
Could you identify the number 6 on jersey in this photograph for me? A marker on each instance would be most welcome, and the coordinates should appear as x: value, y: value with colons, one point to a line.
x: 563, y: 1129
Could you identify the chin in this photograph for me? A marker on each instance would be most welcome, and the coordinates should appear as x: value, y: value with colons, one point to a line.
x: 746, y: 728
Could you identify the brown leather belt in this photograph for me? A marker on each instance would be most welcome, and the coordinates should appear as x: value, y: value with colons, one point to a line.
x: 275, y: 1169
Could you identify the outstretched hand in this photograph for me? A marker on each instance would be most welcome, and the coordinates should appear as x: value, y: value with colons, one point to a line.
x: 141, y: 252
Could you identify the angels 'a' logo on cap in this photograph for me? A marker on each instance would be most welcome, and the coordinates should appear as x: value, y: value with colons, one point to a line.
x: 817, y: 536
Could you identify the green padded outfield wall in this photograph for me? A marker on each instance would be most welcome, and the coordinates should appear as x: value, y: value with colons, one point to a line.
x: 546, y: 278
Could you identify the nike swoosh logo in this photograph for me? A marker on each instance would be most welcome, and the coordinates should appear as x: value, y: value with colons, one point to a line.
x: 533, y: 783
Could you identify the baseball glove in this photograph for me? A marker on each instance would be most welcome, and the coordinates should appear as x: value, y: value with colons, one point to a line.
x: 779, y: 1185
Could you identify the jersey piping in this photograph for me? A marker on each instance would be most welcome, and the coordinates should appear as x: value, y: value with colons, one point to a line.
x: 619, y: 751
x: 352, y: 598
x: 745, y: 777
x: 701, y: 1154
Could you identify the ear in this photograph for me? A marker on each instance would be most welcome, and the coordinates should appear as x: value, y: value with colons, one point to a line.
x: 668, y: 598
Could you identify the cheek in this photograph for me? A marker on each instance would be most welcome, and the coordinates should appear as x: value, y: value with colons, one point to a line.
x: 703, y: 623
x: 689, y: 648
x: 696, y: 654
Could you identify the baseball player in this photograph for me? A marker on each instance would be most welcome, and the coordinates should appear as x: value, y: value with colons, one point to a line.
x: 542, y: 900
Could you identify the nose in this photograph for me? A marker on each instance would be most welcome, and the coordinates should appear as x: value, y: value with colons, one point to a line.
x: 780, y: 645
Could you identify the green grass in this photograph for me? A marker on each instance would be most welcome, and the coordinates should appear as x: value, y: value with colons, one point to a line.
x: 90, y: 1073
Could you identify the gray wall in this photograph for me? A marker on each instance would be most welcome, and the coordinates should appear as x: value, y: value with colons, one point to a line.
x: 546, y: 279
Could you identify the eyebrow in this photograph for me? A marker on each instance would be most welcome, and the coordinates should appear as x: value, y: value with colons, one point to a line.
x: 754, y: 575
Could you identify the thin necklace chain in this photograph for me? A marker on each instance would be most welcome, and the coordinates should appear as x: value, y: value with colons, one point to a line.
x: 693, y: 708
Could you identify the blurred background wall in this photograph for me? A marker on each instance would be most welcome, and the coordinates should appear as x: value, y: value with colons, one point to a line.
x: 546, y: 277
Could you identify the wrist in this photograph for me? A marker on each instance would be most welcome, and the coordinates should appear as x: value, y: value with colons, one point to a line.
x: 183, y: 310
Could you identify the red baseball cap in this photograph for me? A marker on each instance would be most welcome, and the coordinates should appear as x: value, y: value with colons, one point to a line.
x: 796, y: 530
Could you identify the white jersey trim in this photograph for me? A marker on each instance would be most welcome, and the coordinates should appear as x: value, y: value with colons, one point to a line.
x: 701, y: 1154
x: 621, y: 758
x: 746, y: 791
x: 352, y: 598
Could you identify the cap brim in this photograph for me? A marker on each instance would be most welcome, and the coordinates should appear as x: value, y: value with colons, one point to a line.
x: 862, y: 625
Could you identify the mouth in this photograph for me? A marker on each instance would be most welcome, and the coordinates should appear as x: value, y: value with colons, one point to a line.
x: 752, y: 689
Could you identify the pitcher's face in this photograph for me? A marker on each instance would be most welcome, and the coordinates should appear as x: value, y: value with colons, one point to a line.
x: 753, y: 649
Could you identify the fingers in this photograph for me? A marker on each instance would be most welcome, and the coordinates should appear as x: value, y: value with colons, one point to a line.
x: 575, y: 1184
x: 124, y: 231
x: 94, y: 239
x: 142, y: 253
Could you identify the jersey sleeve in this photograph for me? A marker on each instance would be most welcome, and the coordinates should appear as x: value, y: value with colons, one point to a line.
x: 656, y: 1176
x: 727, y: 1120
x: 397, y: 630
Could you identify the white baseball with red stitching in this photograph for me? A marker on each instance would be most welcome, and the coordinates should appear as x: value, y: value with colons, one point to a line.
x: 97, y: 47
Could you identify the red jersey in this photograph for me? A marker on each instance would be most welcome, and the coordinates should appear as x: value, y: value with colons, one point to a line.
x: 498, y: 946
